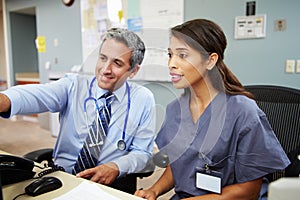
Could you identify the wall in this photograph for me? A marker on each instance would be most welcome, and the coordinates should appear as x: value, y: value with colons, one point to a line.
x: 256, y: 61
x: 61, y: 27
x: 2, y: 48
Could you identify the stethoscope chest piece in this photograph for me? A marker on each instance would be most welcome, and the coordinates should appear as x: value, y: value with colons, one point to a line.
x: 121, y: 145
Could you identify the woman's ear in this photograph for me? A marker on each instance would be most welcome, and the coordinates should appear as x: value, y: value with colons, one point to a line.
x: 212, y: 60
x: 134, y: 71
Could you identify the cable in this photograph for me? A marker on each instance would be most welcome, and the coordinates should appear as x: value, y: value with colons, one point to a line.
x: 53, y: 168
x: 18, y: 196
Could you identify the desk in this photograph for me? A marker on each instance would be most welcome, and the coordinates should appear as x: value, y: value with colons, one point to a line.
x: 69, y: 182
x: 27, y: 78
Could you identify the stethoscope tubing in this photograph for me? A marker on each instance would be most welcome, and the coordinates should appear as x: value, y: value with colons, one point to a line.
x: 90, y: 97
x: 128, y: 109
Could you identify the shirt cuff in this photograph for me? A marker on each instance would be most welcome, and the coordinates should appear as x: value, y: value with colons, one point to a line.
x: 15, y: 103
x: 6, y: 114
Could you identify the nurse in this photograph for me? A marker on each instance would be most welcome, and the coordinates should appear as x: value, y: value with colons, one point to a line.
x: 219, y: 142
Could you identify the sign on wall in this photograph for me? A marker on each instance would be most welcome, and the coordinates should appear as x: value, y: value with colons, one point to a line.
x: 247, y: 27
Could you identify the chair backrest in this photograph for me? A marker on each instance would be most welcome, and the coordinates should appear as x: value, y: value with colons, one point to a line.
x: 1, y: 193
x: 282, y: 108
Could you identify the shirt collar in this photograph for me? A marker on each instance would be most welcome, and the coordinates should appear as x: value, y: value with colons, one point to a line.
x: 119, y: 93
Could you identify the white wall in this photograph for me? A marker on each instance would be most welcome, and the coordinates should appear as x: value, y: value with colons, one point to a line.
x: 256, y: 61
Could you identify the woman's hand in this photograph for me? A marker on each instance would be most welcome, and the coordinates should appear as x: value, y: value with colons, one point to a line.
x: 147, y: 194
x: 163, y: 185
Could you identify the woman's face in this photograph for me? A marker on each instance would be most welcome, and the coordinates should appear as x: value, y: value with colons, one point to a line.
x: 186, y: 65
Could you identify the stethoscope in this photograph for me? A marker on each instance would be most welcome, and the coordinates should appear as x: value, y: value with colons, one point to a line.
x: 121, y: 143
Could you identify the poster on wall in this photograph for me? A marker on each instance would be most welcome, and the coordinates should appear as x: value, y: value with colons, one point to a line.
x: 157, y: 18
x: 40, y: 44
x: 151, y: 20
x: 94, y: 22
x: 161, y: 14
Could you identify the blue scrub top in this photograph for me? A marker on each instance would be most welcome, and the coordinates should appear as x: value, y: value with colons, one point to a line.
x: 232, y: 136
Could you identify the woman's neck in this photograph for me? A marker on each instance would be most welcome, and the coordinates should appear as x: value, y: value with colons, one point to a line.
x: 200, y: 98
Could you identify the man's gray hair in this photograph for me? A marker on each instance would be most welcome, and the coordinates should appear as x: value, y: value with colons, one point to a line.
x: 131, y: 40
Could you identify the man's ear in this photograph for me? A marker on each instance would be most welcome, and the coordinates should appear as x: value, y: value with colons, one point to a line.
x: 134, y: 71
x: 213, y: 59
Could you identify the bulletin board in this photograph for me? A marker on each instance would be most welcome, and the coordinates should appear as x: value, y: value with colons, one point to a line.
x: 156, y: 19
x: 249, y: 27
x: 94, y: 22
x: 154, y: 66
x: 150, y: 20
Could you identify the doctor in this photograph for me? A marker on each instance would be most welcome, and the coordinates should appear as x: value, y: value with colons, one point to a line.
x: 129, y: 140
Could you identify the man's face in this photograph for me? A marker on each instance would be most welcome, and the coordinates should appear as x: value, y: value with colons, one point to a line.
x: 113, y: 66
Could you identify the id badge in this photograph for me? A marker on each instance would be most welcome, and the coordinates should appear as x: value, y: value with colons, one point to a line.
x: 209, y: 180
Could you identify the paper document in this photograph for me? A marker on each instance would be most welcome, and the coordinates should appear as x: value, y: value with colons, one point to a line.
x: 87, y: 190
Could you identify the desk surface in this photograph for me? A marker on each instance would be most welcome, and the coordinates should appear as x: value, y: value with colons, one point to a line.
x: 28, y: 77
x: 69, y: 182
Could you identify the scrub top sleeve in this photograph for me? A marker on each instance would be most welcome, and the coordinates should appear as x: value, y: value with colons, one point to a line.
x: 259, y: 152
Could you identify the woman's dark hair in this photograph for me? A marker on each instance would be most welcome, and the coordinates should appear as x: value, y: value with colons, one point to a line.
x: 207, y: 37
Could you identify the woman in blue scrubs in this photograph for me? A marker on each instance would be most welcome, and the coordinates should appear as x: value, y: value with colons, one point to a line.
x: 219, y: 142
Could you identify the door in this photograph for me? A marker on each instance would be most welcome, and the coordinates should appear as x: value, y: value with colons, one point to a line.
x: 24, y: 54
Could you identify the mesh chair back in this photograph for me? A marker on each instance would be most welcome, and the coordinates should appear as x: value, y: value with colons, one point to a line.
x: 282, y: 107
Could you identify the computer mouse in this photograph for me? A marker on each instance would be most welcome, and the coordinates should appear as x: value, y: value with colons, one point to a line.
x: 43, y: 185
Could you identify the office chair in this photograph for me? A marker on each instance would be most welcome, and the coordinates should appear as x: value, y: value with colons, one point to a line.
x: 282, y: 108
x: 127, y: 184
x: 1, y: 193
